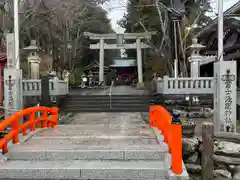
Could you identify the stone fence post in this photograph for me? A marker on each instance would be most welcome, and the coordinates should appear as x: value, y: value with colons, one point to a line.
x: 45, y: 93
x: 207, y: 151
x: 165, y: 83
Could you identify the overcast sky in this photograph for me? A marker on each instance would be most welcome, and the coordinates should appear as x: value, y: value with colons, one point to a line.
x: 116, y: 9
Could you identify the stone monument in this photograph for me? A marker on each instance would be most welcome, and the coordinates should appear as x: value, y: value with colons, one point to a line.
x: 225, y: 97
x: 12, y: 81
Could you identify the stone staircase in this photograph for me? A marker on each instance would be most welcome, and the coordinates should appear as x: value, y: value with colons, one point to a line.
x: 117, y: 150
x: 106, y: 103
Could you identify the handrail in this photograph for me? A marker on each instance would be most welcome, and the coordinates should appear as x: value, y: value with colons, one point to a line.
x: 110, y: 94
x: 160, y: 118
x: 13, y: 121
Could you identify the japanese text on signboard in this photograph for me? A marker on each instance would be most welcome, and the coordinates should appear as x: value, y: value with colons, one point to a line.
x: 228, y: 80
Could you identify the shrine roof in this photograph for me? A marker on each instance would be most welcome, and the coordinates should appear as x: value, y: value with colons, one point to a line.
x: 211, y: 27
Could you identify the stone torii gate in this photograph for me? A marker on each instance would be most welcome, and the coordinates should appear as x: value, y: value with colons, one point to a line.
x: 120, y: 45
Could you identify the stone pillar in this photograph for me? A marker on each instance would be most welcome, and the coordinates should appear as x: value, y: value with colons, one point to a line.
x: 195, y: 65
x: 195, y: 58
x: 225, y: 98
x: 34, y: 62
x: 139, y: 62
x: 13, y: 96
x: 175, y: 68
x: 101, y: 61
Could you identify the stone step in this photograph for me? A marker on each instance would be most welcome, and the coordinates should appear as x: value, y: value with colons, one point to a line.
x: 101, y: 103
x: 123, y: 99
x: 107, y: 101
x: 108, y: 104
x: 99, y: 109
x: 53, y: 144
x: 113, y: 96
x: 79, y: 169
x: 98, y: 154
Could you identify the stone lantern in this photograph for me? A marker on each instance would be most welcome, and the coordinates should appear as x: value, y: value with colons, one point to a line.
x: 33, y: 60
x: 195, y: 58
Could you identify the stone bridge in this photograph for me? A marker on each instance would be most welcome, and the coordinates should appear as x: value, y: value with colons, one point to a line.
x: 93, y: 146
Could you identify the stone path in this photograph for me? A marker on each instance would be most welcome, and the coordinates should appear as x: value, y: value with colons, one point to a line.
x: 108, y: 119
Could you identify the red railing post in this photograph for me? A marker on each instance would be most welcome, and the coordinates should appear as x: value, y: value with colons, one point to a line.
x: 44, y: 118
x: 171, y: 128
x: 170, y: 136
x: 32, y: 120
x: 152, y: 116
x: 5, y: 148
x: 15, y: 126
x: 176, y: 147
x: 159, y: 118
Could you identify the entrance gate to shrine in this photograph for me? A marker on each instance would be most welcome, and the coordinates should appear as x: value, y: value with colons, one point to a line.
x: 120, y: 45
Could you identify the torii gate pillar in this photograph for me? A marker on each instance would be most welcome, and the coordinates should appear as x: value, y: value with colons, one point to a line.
x: 101, y: 61
x: 139, y: 62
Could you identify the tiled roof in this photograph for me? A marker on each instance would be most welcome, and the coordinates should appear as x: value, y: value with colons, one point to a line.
x: 231, y: 10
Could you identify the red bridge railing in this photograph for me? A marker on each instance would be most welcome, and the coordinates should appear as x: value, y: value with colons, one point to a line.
x: 48, y: 118
x: 160, y: 118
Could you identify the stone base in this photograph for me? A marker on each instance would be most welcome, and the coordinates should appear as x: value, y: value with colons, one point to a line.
x: 183, y: 176
x: 140, y: 86
x: 171, y: 175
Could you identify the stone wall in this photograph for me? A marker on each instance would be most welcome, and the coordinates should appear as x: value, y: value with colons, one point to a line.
x: 226, y: 157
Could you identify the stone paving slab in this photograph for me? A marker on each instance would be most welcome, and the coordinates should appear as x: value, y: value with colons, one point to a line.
x: 38, y: 147
x: 79, y: 131
x: 107, y: 118
x: 90, y: 127
x: 96, y: 137
x: 131, y: 170
x: 92, y: 141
